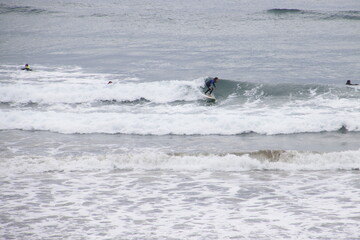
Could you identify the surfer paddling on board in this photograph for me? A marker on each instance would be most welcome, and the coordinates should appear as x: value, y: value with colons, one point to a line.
x: 210, y: 84
x: 348, y: 82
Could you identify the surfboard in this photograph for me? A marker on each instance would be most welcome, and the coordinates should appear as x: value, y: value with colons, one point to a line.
x: 209, y: 98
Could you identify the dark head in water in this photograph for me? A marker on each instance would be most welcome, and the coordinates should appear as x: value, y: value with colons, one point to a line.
x: 348, y: 82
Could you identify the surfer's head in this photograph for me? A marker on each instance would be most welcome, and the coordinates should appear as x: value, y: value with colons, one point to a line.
x: 215, y: 79
x: 348, y: 82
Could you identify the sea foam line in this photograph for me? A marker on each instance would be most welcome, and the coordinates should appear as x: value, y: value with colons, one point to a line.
x: 153, y: 160
x: 213, y: 121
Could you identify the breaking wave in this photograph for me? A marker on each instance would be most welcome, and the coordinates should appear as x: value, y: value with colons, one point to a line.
x: 70, y: 101
x: 265, y: 160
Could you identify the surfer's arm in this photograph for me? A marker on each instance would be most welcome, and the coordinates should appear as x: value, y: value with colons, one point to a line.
x: 27, y: 69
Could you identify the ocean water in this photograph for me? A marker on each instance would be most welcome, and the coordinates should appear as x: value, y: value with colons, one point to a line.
x: 277, y: 156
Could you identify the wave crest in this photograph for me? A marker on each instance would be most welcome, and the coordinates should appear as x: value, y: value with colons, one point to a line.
x: 283, y: 11
x: 321, y: 15
x: 6, y: 9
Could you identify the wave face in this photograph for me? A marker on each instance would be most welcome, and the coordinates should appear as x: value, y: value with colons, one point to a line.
x: 68, y: 100
x: 9, y: 9
x: 321, y: 15
x: 284, y: 11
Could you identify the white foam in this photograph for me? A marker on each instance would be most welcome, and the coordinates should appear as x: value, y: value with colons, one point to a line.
x: 153, y: 160
x: 47, y: 87
x: 182, y: 120
x: 67, y: 100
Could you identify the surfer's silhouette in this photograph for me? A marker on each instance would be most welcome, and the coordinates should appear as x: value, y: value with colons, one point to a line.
x: 210, y: 84
x: 348, y: 82
x: 27, y: 67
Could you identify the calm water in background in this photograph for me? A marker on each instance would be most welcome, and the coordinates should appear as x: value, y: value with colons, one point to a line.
x: 277, y: 156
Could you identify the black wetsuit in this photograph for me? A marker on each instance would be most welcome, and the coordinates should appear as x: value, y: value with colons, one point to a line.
x: 209, y: 83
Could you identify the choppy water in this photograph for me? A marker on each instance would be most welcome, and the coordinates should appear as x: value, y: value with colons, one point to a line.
x: 277, y: 156
x: 158, y: 204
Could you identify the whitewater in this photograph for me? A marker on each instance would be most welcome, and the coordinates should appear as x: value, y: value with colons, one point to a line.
x: 110, y: 137
x: 76, y: 102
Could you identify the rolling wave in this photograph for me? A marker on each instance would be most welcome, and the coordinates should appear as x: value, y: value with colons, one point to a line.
x: 321, y: 15
x: 284, y: 91
x: 284, y: 11
x: 7, y: 9
x: 263, y: 160
x: 182, y: 120
x: 76, y: 90
x: 70, y: 101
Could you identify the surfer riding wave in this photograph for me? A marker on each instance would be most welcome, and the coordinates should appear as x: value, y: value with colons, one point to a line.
x: 210, y: 84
